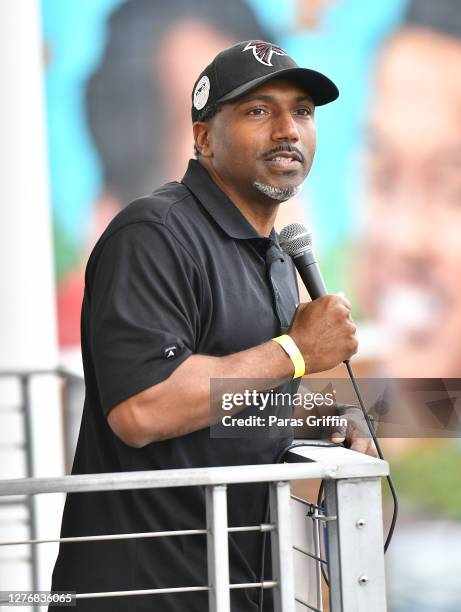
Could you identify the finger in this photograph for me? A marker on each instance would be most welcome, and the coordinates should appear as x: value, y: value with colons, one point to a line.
x: 372, y: 451
x: 360, y: 445
x: 344, y: 299
x: 352, y: 327
x: 337, y: 437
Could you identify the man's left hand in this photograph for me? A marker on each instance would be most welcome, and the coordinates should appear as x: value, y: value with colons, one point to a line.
x: 356, y: 435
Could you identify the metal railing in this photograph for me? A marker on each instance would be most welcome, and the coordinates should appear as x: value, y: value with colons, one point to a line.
x: 352, y: 516
x: 18, y: 402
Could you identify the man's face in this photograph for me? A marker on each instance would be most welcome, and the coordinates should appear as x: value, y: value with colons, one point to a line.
x: 262, y: 144
x: 412, y: 283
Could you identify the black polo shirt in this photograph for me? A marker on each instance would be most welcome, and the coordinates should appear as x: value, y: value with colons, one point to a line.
x: 180, y: 268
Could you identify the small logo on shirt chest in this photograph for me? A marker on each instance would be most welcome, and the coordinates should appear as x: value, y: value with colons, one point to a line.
x: 170, y: 351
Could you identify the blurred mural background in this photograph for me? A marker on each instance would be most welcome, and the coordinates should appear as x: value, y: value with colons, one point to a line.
x: 383, y: 199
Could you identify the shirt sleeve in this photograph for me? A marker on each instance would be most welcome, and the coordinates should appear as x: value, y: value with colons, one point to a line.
x: 144, y: 316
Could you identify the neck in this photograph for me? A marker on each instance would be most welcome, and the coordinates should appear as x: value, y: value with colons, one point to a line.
x: 259, y: 210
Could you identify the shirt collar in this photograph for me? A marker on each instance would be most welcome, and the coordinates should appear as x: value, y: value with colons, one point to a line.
x: 219, y: 205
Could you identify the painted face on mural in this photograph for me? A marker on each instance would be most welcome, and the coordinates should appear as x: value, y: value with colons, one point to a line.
x: 411, y: 280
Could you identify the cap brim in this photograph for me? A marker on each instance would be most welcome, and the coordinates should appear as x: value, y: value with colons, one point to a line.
x: 319, y: 87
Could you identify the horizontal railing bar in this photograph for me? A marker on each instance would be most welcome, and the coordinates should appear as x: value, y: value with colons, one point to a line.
x: 13, y: 521
x: 148, y: 479
x: 136, y: 535
x: 315, y: 517
x: 14, y: 502
x: 303, y: 603
x: 27, y: 373
x: 303, y: 501
x: 61, y: 372
x: 141, y: 592
x: 340, y: 462
x: 304, y: 552
x: 9, y: 446
x: 160, y: 478
x: 120, y: 536
x: 268, y: 584
x: 311, y: 506
x: 262, y: 527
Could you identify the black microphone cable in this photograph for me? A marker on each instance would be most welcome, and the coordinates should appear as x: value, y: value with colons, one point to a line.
x: 292, y: 445
x: 380, y: 454
x: 390, y: 482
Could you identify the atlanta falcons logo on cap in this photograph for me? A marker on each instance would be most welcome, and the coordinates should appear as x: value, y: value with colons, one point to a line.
x: 263, y: 51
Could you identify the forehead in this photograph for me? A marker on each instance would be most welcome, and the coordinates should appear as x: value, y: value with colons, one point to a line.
x: 422, y: 62
x: 417, y: 98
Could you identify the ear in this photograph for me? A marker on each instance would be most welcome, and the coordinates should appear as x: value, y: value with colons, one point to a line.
x: 202, y: 138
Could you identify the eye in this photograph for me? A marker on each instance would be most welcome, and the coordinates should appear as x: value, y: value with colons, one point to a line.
x: 304, y: 111
x: 257, y: 112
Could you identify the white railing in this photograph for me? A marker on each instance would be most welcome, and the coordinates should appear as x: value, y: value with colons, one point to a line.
x: 352, y: 515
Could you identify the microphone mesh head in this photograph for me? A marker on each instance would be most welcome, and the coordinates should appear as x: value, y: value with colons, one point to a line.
x: 295, y: 239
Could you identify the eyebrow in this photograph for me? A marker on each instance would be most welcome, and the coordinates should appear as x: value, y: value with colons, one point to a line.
x: 268, y: 98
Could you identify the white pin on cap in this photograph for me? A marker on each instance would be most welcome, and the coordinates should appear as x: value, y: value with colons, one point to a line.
x: 201, y: 93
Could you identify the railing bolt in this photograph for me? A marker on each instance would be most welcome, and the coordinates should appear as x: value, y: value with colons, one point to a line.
x: 360, y: 523
x: 363, y: 580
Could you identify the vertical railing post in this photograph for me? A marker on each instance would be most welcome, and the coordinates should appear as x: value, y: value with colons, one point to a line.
x: 217, y: 548
x: 318, y: 554
x: 281, y: 547
x: 355, y: 545
x: 29, y: 452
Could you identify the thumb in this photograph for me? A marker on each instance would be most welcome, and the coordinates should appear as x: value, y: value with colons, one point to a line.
x: 337, y: 437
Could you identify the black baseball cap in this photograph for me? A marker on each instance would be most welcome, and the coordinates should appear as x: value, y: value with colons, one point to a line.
x: 248, y: 64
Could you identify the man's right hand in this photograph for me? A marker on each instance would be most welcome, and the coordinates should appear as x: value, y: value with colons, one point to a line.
x: 324, y: 332
x: 180, y: 404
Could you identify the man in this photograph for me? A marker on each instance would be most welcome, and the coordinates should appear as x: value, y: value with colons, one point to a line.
x: 187, y: 285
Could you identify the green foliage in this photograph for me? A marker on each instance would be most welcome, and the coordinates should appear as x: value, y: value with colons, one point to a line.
x: 429, y: 478
x: 338, y: 267
x: 66, y: 254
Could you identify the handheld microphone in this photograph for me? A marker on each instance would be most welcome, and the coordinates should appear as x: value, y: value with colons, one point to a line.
x: 296, y: 241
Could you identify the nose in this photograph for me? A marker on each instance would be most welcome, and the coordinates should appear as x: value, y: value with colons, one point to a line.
x: 285, y: 127
x: 409, y: 230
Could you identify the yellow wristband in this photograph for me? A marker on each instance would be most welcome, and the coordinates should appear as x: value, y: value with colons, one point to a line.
x: 293, y: 352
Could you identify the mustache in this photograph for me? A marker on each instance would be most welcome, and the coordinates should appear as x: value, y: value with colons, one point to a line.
x: 284, y: 147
